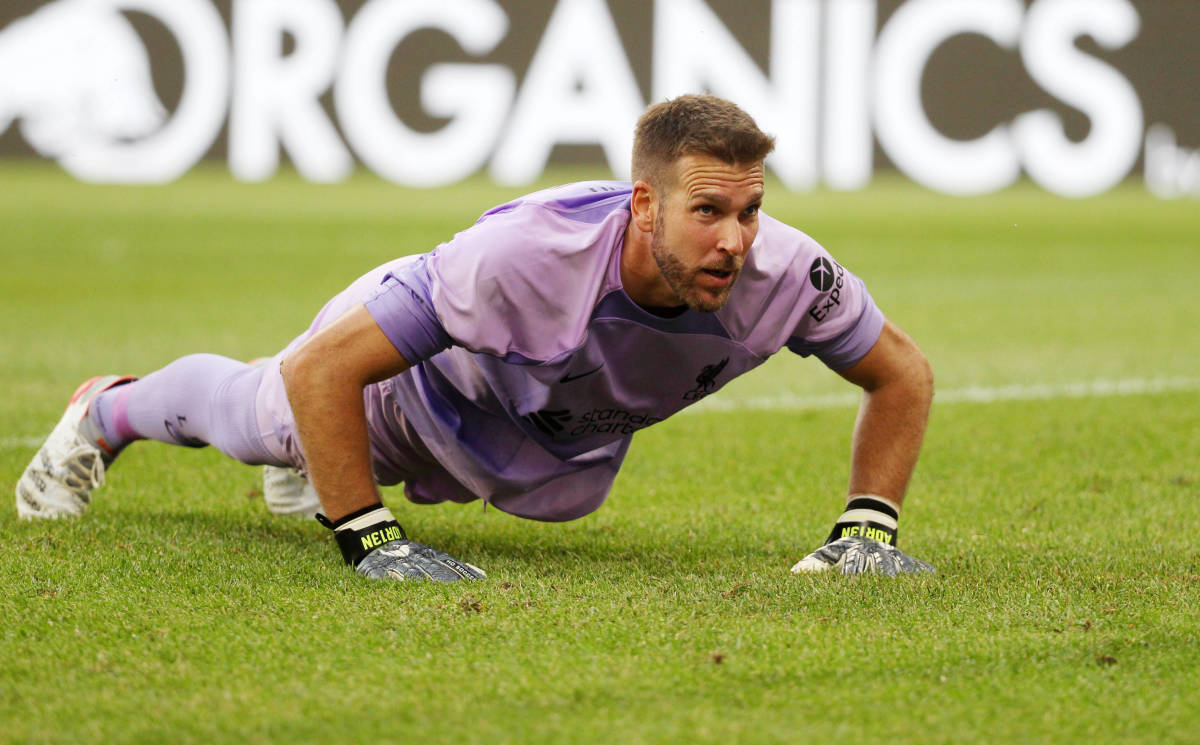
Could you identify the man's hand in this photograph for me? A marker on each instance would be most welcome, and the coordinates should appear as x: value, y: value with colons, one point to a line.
x: 405, y: 559
x: 863, y: 541
x: 857, y: 555
x: 374, y: 544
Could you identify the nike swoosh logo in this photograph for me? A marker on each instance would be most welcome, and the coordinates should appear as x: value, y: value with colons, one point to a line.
x: 568, y: 377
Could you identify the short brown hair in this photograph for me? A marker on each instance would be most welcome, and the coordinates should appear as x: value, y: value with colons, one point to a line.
x: 695, y: 125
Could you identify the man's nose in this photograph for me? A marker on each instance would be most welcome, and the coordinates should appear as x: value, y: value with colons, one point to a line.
x: 731, y: 239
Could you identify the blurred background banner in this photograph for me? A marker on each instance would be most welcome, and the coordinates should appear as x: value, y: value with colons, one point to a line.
x: 961, y: 96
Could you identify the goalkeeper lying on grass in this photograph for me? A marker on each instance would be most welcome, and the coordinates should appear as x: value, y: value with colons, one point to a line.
x: 513, y: 363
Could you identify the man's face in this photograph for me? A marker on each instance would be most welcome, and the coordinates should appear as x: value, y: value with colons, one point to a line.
x: 705, y: 224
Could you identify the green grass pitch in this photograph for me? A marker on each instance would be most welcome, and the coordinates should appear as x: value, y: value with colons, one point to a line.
x: 1063, y: 519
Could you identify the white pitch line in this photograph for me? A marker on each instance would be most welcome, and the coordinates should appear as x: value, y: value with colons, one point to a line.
x: 971, y: 394
x: 22, y: 443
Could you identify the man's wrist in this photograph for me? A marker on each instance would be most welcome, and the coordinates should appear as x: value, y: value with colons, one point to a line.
x: 868, y: 516
x: 362, y: 531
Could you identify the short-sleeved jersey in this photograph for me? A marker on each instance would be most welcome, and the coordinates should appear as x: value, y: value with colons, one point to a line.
x: 532, y: 368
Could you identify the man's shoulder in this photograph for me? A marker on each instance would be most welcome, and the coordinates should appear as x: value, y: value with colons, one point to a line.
x: 584, y: 202
x: 525, y: 279
x: 577, y: 223
x: 779, y: 245
x: 775, y: 286
x: 778, y: 262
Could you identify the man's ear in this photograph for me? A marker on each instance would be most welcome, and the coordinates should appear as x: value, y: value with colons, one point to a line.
x: 644, y: 205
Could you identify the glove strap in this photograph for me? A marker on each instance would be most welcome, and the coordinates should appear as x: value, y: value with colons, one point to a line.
x: 868, y: 516
x: 362, y: 531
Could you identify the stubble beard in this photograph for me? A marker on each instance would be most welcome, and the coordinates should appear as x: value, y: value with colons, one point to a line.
x: 682, y: 281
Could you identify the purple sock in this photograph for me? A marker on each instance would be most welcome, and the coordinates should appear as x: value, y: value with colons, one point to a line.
x: 107, y: 414
x: 198, y: 400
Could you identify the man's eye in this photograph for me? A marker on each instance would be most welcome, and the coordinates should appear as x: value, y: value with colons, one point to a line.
x: 753, y: 210
x: 705, y: 209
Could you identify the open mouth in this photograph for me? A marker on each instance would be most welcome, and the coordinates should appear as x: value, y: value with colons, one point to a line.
x: 718, y: 273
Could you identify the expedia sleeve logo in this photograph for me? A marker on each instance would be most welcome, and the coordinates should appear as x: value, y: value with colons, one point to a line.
x: 827, y: 277
x: 821, y: 274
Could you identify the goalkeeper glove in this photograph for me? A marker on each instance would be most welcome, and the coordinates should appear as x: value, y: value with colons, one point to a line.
x: 863, y: 541
x: 375, y: 545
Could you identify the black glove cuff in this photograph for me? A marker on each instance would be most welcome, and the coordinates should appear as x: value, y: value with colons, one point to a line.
x: 867, y: 517
x: 363, y: 531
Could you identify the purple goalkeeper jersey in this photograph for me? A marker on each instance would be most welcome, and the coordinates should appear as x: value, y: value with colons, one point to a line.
x: 532, y: 368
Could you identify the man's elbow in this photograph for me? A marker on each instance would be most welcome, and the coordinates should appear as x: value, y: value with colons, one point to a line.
x: 923, y: 377
x: 301, y: 370
x: 917, y: 371
x: 913, y: 371
x: 927, y: 380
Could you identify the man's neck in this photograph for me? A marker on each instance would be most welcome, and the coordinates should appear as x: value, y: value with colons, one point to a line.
x: 640, y: 275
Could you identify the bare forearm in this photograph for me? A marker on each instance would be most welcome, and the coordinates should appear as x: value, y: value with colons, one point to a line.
x: 888, y: 436
x: 325, y: 378
x: 332, y: 426
x: 897, y: 384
